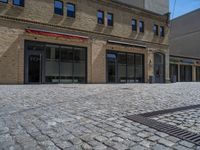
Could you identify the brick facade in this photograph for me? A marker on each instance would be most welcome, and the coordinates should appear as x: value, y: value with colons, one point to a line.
x: 39, y: 14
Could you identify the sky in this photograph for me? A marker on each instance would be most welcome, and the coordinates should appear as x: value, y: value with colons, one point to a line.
x: 183, y: 7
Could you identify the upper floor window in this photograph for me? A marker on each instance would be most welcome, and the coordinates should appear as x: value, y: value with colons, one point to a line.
x: 58, y: 7
x: 100, y: 17
x: 134, y: 25
x: 4, y: 1
x: 141, y: 25
x: 18, y: 2
x: 155, y: 29
x: 110, y: 19
x: 162, y: 31
x: 71, y: 10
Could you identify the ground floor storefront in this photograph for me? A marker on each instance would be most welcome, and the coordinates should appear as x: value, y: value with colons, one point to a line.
x: 43, y: 56
x: 184, y: 69
x: 53, y: 63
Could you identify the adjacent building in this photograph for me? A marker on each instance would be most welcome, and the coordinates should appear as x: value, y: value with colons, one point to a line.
x: 157, y: 6
x: 82, y: 41
x: 185, y: 47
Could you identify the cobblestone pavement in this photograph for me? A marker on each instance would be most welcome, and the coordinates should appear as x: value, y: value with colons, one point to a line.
x: 53, y: 117
x: 189, y: 119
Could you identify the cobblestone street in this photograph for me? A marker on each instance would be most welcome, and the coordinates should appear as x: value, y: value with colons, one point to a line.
x: 189, y: 119
x: 53, y: 117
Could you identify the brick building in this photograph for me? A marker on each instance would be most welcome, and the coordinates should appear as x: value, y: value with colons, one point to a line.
x: 184, y: 47
x: 81, y: 41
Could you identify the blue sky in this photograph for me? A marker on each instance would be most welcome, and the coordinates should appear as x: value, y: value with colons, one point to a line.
x: 183, y: 7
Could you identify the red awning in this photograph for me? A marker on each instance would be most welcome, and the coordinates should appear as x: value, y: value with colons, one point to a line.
x: 55, y: 34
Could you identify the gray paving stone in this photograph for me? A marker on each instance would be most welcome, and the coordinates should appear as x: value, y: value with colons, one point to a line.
x: 153, y: 138
x: 85, y: 146
x: 160, y: 147
x: 36, y: 115
x: 138, y: 147
x: 186, y: 144
x: 179, y: 147
x: 166, y: 142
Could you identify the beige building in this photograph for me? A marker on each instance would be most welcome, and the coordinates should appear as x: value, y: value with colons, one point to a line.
x: 185, y: 46
x: 81, y: 41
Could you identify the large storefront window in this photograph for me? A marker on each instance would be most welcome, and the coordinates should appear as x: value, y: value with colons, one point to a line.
x: 174, y: 72
x: 198, y: 74
x: 185, y: 73
x: 54, y: 63
x: 125, y: 67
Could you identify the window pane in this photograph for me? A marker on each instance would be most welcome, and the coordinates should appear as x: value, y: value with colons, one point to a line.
x: 122, y: 68
x: 58, y: 7
x: 198, y: 74
x: 79, y: 65
x: 134, y: 25
x: 155, y: 29
x: 18, y: 2
x: 111, y: 67
x: 66, y: 65
x: 110, y: 19
x: 174, y: 72
x: 141, y: 25
x: 131, y: 68
x: 70, y: 10
x: 139, y: 71
x: 52, y: 64
x: 162, y: 31
x: 100, y: 16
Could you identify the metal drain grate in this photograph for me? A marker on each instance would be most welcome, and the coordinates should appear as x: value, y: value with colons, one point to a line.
x: 166, y: 111
x: 169, y: 129
x: 166, y: 128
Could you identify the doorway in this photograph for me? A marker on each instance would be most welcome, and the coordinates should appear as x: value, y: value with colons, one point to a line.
x: 35, y: 68
x: 159, y: 67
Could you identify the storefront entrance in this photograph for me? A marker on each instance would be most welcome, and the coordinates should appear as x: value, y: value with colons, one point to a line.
x: 198, y: 74
x: 125, y: 67
x: 159, y: 67
x: 185, y: 73
x: 174, y: 72
x: 35, y: 67
x: 51, y: 63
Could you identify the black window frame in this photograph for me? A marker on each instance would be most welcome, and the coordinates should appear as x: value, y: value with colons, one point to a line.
x: 22, y: 2
x: 141, y: 29
x: 103, y: 16
x: 156, y: 29
x: 112, y: 19
x: 162, y: 31
x: 134, y: 27
x: 57, y: 12
x: 116, y: 61
x: 4, y: 2
x: 73, y: 13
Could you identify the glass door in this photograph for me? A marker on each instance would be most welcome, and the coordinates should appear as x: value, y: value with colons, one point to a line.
x: 35, y: 67
x: 111, y: 68
x: 174, y: 72
x: 198, y: 74
x: 186, y: 73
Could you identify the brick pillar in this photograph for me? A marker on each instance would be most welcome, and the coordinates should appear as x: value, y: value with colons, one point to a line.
x: 194, y: 73
x: 167, y: 76
x: 150, y: 64
x: 179, y: 73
